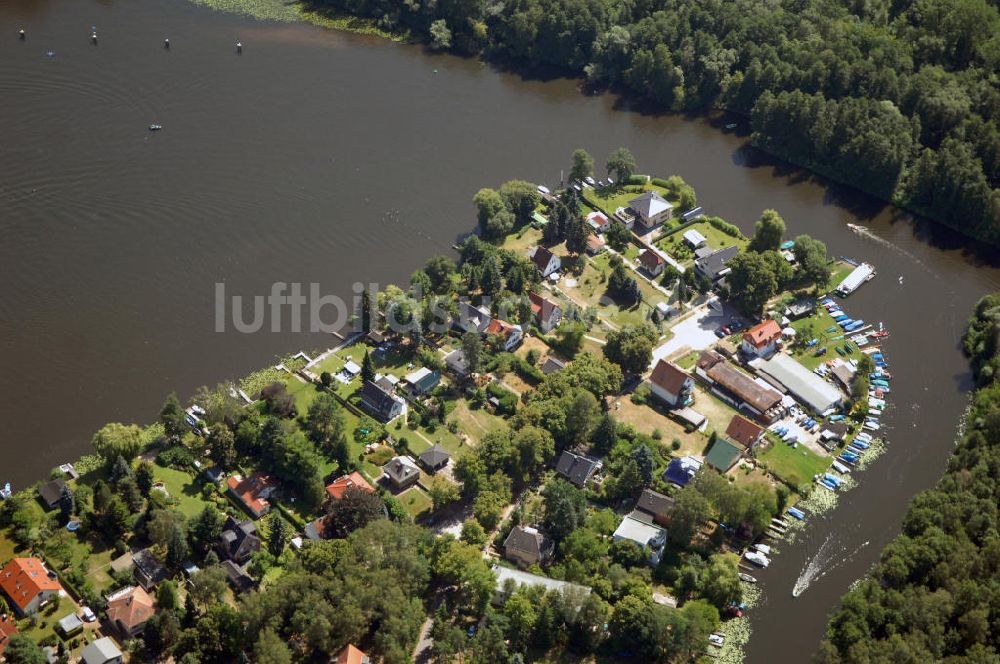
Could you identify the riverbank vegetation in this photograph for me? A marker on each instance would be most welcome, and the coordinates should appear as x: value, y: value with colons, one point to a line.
x: 894, y: 99
x: 932, y: 595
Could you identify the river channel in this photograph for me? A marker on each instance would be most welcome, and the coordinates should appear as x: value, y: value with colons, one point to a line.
x: 329, y: 158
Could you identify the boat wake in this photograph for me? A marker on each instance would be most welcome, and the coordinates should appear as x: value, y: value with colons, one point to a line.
x: 868, y: 235
x: 827, y: 558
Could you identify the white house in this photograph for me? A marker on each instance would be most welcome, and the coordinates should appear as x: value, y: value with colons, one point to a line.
x: 511, y: 334
x: 544, y: 260
x: 651, y: 209
x: 671, y: 384
x: 761, y: 340
x: 598, y: 222
x: 651, y: 538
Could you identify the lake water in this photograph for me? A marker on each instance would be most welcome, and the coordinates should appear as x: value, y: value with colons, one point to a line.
x: 332, y: 158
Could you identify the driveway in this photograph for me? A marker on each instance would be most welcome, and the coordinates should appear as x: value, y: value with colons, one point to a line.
x: 697, y: 331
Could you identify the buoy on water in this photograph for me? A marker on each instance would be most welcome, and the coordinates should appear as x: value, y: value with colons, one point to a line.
x: 20, y: 34
x: 166, y: 43
x: 239, y: 47
x: 93, y: 37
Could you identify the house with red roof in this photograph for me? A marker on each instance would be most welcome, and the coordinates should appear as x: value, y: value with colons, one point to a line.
x: 652, y: 262
x: 672, y: 384
x: 28, y: 585
x: 510, y: 334
x: 544, y: 260
x: 129, y: 610
x: 596, y: 244
x: 744, y: 432
x: 351, y: 655
x: 761, y: 340
x: 336, y: 488
x: 7, y: 630
x: 253, y: 493
x: 547, y: 313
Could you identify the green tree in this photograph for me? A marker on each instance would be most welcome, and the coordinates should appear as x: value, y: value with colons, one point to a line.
x: 583, y: 166
x: 144, y: 477
x: 631, y: 348
x: 472, y: 347
x: 326, y: 426
x: 473, y: 533
x: 278, y: 534
x: 117, y: 440
x: 621, y: 163
x: 565, y: 508
x: 271, y: 649
x: 812, y: 259
x: 172, y: 417
x: 691, y: 509
x: 769, y: 232
x: 222, y: 445
x: 752, y: 281
x: 720, y: 584
x: 495, y: 220
x: 208, y: 586
x: 521, y: 198
x: 367, y: 368
x: 356, y: 509
x: 22, y: 650
x: 167, y: 598
x: 462, y: 565
x: 442, y: 492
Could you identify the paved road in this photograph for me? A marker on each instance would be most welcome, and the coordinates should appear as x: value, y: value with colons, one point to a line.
x: 697, y: 331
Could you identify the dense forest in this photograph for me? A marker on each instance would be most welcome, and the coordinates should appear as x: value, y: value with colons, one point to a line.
x: 935, y: 594
x: 895, y: 97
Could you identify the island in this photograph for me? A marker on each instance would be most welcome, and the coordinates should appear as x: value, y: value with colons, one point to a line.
x: 580, y: 438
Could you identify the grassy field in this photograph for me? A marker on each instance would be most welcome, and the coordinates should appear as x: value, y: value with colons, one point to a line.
x: 647, y: 419
x: 714, y: 238
x: 522, y: 240
x: 795, y: 466
x: 688, y: 361
x: 590, y: 290
x: 182, y: 487
x: 815, y: 327
x: 415, y: 501
x: 611, y: 200
x: 304, y: 393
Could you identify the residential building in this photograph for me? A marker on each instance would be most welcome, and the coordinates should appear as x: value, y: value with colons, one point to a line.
x: 129, y: 610
x: 508, y: 578
x: 762, y: 339
x: 808, y: 389
x: 69, y: 625
x: 237, y: 576
x: 651, y: 209
x: 510, y: 334
x: 457, y: 363
x: 738, y: 389
x: 681, y: 471
x: 102, y: 651
x: 434, y: 459
x: 723, y: 455
x: 599, y: 222
x: 671, y: 384
x: 351, y: 655
x: 401, y: 473
x: 544, y: 260
x: 526, y: 546
x: 800, y: 308
x: 744, y: 432
x: 7, y: 630
x: 354, y: 480
x: 238, y: 540
x: 650, y: 537
x: 626, y: 217
x: 552, y: 365
x: 694, y: 239
x: 253, y: 493
x: 147, y: 570
x: 50, y: 493
x: 713, y: 266
x: 471, y: 318
x: 656, y: 505
x: 547, y: 314
x: 577, y: 468
x: 420, y: 382
x: 652, y: 262
x: 379, y: 399
x: 28, y: 585
x: 596, y: 244
x: 319, y: 529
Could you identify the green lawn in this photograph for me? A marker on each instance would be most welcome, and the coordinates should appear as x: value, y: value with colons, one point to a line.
x: 794, y: 466
x: 688, y: 361
x: 714, y: 238
x: 616, y: 197
x: 522, y: 240
x: 815, y: 327
x: 591, y: 290
x: 182, y: 487
x: 415, y: 501
x: 304, y: 393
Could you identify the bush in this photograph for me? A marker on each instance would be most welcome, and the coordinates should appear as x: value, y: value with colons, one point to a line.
x: 637, y: 179
x: 641, y: 395
x: 175, y: 457
x: 675, y: 444
x: 725, y: 227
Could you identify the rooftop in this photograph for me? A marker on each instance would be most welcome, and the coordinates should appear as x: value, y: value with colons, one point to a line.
x: 23, y: 578
x: 743, y: 431
x: 533, y: 580
x: 763, y: 334
x: 337, y: 488
x: 723, y: 454
x: 669, y: 376
x: 807, y: 387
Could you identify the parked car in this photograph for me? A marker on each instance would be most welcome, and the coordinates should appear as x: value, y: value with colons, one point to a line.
x: 719, y: 333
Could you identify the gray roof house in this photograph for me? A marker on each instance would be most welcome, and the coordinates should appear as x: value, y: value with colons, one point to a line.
x: 654, y: 507
x: 101, y: 651
x: 237, y: 576
x: 239, y: 540
x: 713, y: 266
x: 50, y: 492
x: 457, y: 362
x: 577, y: 468
x: 421, y: 381
x: 526, y: 546
x: 471, y: 318
x: 377, y: 398
x: 401, y: 472
x: 435, y: 458
x: 148, y: 571
x: 651, y: 208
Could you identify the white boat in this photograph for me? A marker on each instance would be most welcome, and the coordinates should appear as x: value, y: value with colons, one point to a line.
x: 5, y: 492
x: 747, y: 578
x: 542, y: 189
x: 757, y: 558
x: 763, y: 548
x: 716, y: 639
x: 155, y: 127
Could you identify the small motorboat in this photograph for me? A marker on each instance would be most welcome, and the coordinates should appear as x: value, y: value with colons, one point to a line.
x: 731, y: 125
x: 747, y: 578
x: 155, y: 127
x: 5, y: 492
x: 796, y: 513
x: 757, y: 558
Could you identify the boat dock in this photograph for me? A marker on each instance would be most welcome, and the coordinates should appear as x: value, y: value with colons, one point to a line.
x: 852, y: 282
